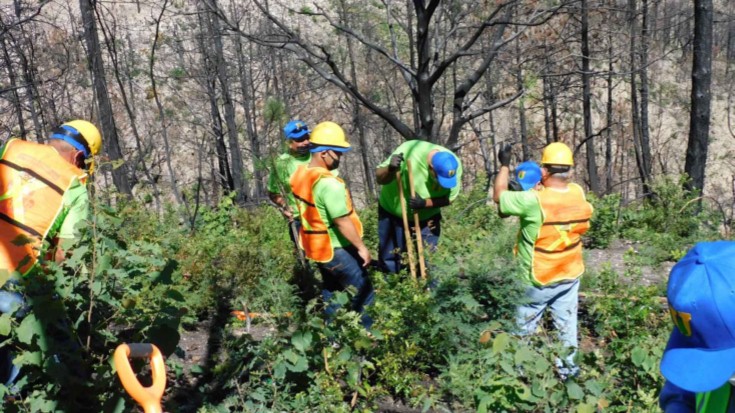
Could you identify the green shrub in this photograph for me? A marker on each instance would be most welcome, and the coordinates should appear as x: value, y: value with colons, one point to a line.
x: 151, y: 276
x: 603, y: 225
x: 112, y: 289
x: 668, y: 223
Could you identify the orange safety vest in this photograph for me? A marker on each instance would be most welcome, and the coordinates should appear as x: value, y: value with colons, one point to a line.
x: 314, y: 235
x: 557, y: 253
x: 33, y: 180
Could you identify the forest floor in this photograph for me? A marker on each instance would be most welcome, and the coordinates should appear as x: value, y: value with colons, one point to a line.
x: 196, y: 343
x: 615, y: 256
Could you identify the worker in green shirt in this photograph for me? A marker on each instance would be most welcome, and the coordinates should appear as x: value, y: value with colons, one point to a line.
x: 43, y: 198
x: 279, y: 187
x: 331, y: 232
x: 553, y: 217
x: 437, y: 177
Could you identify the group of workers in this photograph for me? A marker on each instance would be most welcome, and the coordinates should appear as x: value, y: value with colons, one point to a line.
x: 553, y: 213
x: 306, y: 187
x: 43, y: 198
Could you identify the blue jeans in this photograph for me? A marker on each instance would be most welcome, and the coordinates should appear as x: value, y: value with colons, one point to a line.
x: 10, y: 301
x: 562, y: 299
x: 343, y: 271
x: 392, y: 241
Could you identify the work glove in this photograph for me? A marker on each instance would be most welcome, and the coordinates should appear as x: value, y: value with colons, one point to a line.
x: 395, y: 162
x: 504, y: 155
x: 417, y: 202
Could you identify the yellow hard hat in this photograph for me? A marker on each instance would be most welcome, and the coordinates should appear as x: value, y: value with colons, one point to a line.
x: 328, y: 136
x: 83, y: 136
x: 557, y: 153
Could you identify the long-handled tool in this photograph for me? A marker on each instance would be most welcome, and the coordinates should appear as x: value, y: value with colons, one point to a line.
x: 149, y: 397
x: 419, y: 240
x: 406, y: 229
x: 295, y: 233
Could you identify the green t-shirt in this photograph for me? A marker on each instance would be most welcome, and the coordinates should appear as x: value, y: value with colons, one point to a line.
x: 526, y: 206
x: 425, y: 184
x: 279, y: 180
x: 74, y: 211
x: 330, y: 198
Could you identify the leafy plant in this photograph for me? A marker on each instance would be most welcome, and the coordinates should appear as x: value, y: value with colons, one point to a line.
x: 603, y: 225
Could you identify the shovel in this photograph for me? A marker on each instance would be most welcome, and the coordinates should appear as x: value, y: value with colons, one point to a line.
x: 149, y: 398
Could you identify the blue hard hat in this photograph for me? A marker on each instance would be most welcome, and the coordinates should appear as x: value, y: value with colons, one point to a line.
x: 296, y: 129
x: 528, y: 174
x: 700, y: 355
x: 445, y: 165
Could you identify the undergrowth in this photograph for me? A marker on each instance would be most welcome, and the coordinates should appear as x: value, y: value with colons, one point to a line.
x: 446, y: 343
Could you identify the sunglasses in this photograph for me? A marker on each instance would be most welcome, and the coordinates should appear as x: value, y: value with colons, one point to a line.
x: 301, y: 139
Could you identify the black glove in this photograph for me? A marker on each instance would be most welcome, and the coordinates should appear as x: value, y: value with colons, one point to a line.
x: 417, y: 202
x: 504, y: 155
x: 395, y: 162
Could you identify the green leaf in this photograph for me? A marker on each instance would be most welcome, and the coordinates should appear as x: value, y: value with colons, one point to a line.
x: 523, y: 355
x: 585, y: 408
x: 29, y: 358
x: 301, y: 340
x: 300, y: 365
x: 501, y: 343
x: 594, y: 387
x: 30, y: 327
x: 77, y: 255
x: 5, y: 324
x: 637, y: 356
x: 290, y: 356
x: 524, y: 392
x: 538, y: 389
x: 279, y: 370
x: 341, y: 298
x: 485, y: 401
x: 574, y: 391
x: 104, y: 263
x: 258, y: 395
x: 345, y: 354
x: 353, y: 373
x: 39, y: 403
x: 507, y: 367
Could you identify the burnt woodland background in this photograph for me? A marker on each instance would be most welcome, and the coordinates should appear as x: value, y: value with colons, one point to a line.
x: 191, y: 95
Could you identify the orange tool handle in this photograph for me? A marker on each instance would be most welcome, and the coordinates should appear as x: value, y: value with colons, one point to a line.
x: 149, y: 398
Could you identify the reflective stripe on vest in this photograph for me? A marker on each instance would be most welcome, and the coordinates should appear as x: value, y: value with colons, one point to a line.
x: 33, y: 180
x: 557, y: 252
x: 314, y: 234
x: 716, y: 401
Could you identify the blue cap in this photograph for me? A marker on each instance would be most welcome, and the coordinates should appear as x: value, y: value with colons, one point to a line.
x: 296, y: 129
x: 700, y: 355
x: 528, y: 174
x: 445, y: 165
